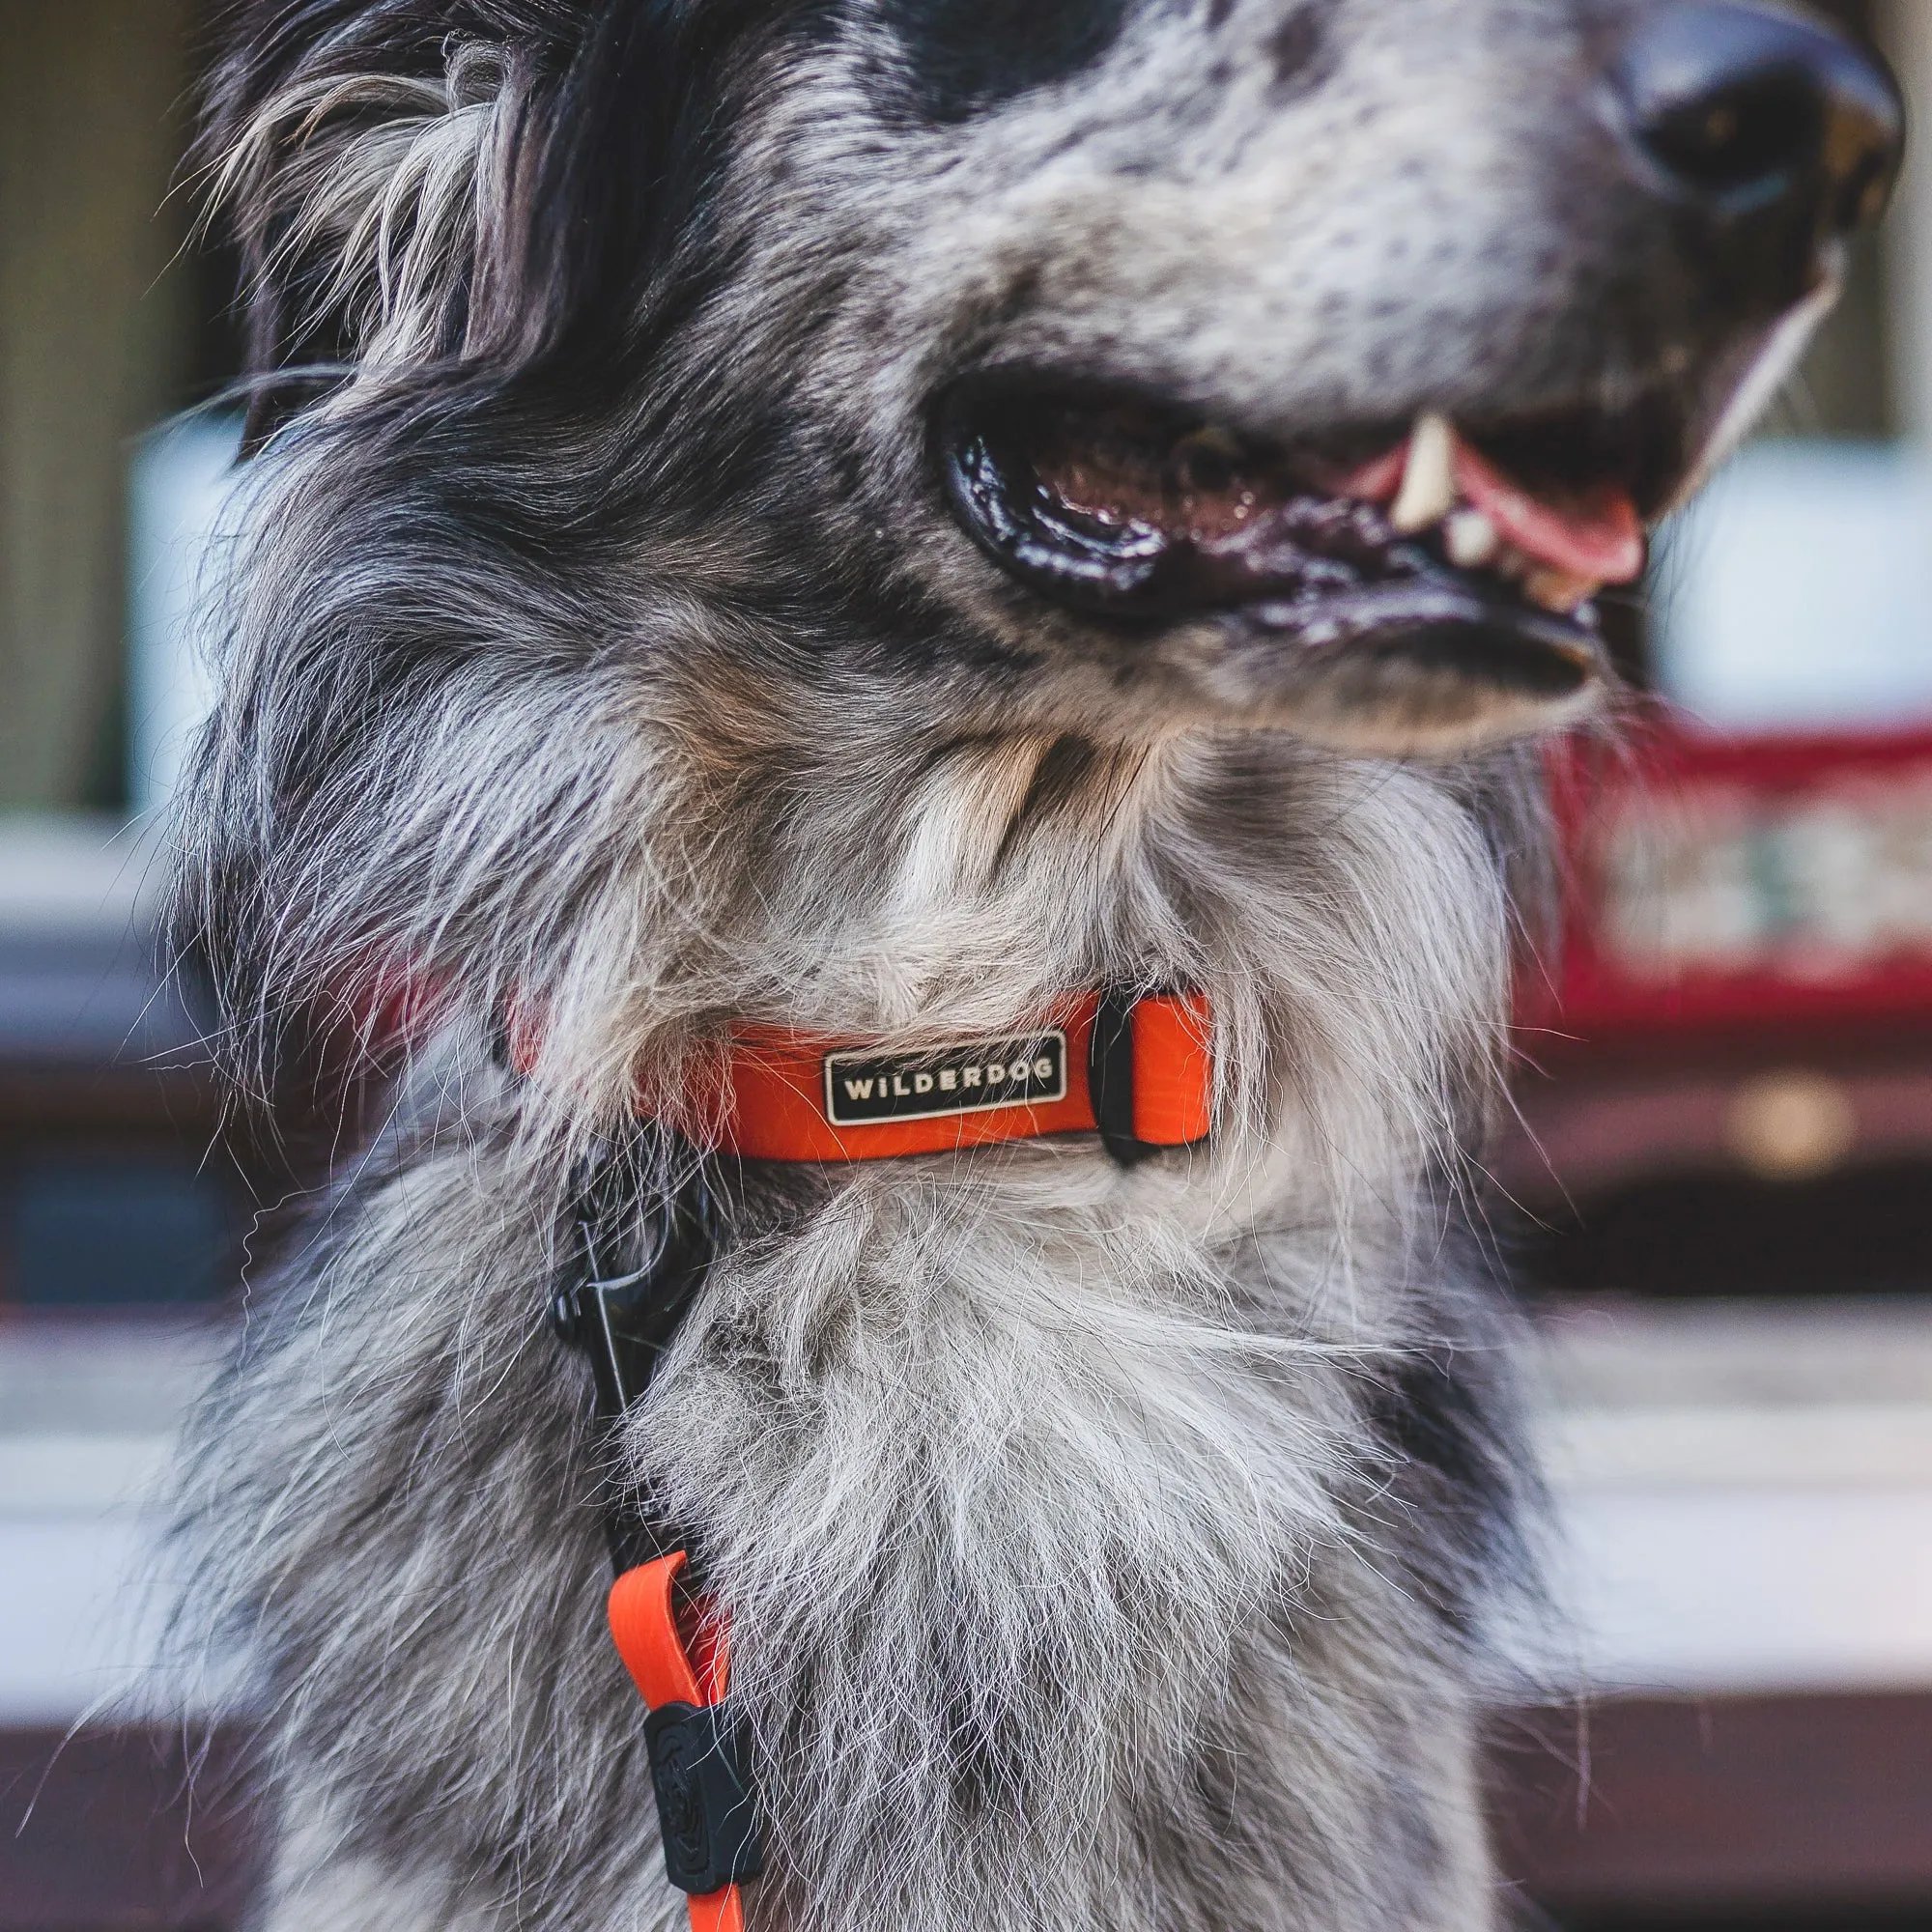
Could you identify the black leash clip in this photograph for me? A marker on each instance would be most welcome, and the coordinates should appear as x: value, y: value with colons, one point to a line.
x: 624, y: 1309
x: 630, y: 1284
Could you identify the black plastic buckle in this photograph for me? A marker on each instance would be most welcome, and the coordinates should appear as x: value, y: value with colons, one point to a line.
x: 706, y: 1818
x: 624, y: 1309
x: 624, y: 1318
x: 1110, y: 1078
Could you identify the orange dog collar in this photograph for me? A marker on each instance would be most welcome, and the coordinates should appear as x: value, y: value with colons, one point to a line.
x: 1140, y: 1073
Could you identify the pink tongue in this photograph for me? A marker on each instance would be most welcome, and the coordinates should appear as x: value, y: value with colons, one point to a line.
x: 1598, y: 536
x: 1378, y: 481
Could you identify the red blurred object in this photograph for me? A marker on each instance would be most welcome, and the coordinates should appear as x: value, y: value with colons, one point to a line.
x: 1729, y: 1086
x: 1741, y: 884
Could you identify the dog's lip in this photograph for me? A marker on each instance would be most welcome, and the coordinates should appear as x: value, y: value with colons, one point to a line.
x: 1425, y: 604
x: 1534, y: 661
x: 1060, y: 484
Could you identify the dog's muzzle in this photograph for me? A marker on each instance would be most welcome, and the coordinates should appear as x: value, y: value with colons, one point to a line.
x: 1421, y: 584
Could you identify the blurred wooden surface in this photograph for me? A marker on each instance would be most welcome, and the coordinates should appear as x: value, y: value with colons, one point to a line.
x: 98, y: 1833
x: 1818, y: 1804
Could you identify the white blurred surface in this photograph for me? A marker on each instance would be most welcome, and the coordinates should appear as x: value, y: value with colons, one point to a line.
x: 183, y: 480
x: 88, y: 1407
x: 74, y: 875
x: 1744, y: 1502
x: 1745, y: 1494
x: 1796, y: 595
x: 1698, y: 1590
x: 73, y: 1637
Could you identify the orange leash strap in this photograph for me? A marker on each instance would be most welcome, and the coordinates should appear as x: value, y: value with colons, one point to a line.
x: 705, y: 1814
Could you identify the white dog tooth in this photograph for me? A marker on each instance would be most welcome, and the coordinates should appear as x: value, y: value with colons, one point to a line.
x: 1470, y: 540
x: 1427, y: 491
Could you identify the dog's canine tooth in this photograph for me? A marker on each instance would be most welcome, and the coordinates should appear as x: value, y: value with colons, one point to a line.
x: 1427, y: 491
x: 1471, y: 540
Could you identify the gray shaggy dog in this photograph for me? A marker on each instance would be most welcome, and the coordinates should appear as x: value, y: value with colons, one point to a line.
x: 869, y: 517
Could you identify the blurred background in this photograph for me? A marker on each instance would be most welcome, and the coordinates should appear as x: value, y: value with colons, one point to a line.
x: 1719, y: 1194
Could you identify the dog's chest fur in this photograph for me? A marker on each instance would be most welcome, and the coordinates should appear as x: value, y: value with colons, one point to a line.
x: 1103, y: 1550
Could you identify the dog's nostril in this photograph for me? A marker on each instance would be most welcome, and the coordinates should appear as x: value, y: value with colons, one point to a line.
x: 1744, y: 108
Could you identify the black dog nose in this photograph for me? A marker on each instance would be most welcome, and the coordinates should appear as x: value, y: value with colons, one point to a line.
x: 1746, y: 110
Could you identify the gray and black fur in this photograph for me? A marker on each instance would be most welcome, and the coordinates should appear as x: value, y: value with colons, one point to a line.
x: 1105, y: 1549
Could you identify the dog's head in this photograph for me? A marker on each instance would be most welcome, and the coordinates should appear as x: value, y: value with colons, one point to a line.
x: 1107, y: 365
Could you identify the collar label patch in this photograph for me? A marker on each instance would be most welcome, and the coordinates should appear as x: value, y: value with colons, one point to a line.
x: 861, y: 1088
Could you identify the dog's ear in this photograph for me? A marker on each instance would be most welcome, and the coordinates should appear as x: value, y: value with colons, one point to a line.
x: 419, y: 184
x: 357, y: 154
